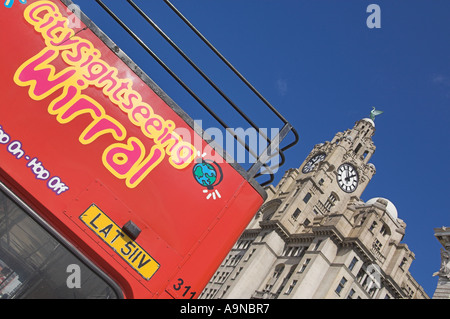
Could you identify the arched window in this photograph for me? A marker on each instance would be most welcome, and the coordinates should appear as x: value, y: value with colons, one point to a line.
x: 385, y: 231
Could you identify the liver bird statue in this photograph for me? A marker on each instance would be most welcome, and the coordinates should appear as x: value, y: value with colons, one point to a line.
x: 374, y: 113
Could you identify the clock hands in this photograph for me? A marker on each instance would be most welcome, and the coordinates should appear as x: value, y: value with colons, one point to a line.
x: 347, y: 178
x: 311, y: 164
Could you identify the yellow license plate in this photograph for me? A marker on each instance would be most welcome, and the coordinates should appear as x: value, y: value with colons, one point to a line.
x: 123, y: 245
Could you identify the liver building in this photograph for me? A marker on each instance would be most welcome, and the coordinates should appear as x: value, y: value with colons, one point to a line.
x: 315, y: 238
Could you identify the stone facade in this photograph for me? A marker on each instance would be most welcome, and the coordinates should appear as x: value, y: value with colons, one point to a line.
x: 315, y: 238
x: 443, y: 286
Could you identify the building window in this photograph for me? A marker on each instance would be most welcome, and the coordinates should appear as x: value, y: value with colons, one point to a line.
x: 213, y: 293
x: 263, y: 236
x: 307, y: 198
x: 358, y: 148
x: 351, y: 294
x: 225, y: 291
x: 225, y: 275
x: 370, y: 279
x: 377, y: 245
x: 341, y: 285
x: 352, y: 263
x: 403, y: 262
x: 373, y: 290
x: 384, y: 230
x: 288, y: 251
x: 272, y: 280
x: 317, y: 244
x: 306, y: 222
x: 330, y: 201
x: 278, y: 270
x: 237, y: 273
x: 305, y: 264
x: 250, y: 255
x: 372, y: 227
x: 226, y: 260
x: 361, y: 275
x: 292, y: 285
x: 300, y: 251
x: 363, y: 219
x: 296, y: 213
x: 409, y: 291
x: 294, y: 251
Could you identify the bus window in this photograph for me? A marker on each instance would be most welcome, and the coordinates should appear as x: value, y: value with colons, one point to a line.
x: 34, y: 264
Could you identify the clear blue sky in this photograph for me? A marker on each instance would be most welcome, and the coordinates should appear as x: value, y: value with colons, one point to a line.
x: 323, y: 68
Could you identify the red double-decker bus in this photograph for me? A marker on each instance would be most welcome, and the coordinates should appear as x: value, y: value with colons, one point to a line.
x: 107, y: 190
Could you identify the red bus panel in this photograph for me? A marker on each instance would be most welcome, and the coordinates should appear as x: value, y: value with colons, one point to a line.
x: 112, y: 165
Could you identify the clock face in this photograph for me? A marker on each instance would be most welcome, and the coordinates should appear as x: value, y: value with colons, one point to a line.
x: 347, y: 178
x: 309, y: 166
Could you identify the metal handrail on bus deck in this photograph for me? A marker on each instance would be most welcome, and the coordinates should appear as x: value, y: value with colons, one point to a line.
x: 254, y: 170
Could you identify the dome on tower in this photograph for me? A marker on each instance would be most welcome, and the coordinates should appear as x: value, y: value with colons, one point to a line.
x: 390, y: 207
x: 369, y: 120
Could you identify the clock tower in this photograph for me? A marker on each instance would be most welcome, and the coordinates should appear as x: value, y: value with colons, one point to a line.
x: 344, y: 160
x: 334, y: 173
x: 315, y: 238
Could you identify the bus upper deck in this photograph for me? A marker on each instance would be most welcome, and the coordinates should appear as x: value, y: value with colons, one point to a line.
x: 103, y: 174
